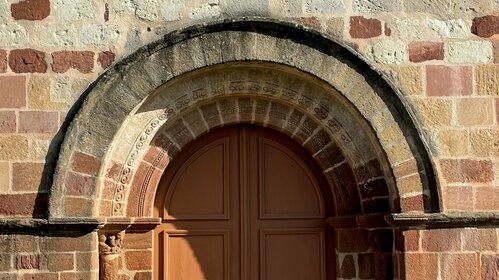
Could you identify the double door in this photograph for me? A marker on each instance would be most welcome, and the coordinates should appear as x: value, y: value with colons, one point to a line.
x: 242, y: 203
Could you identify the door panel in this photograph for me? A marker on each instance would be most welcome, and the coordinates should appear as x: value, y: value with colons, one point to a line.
x: 242, y: 203
x: 199, y: 192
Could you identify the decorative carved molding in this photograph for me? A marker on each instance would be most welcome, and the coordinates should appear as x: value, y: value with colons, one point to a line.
x: 110, y: 243
x: 443, y: 220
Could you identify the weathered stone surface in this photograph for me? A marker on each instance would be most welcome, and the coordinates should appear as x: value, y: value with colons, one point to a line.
x: 38, y: 122
x: 361, y: 27
x: 487, y: 80
x: 13, y: 147
x: 458, y: 80
x: 54, y: 35
x: 30, y: 9
x: 469, y: 52
x: 475, y: 111
x: 389, y: 51
x: 83, y: 61
x: 8, y: 122
x: 138, y: 260
x: 485, y: 26
x: 490, y: 266
x: 459, y: 266
x: 410, y: 78
x: 454, y: 28
x: 205, y: 11
x: 27, y: 61
x: 28, y: 177
x: 26, y: 204
x: 434, y: 112
x: 106, y: 58
x: 326, y: 7
x: 421, y: 265
x: 458, y: 199
x: 376, y: 6
x: 72, y: 10
x: 109, y: 267
x: 410, y: 29
x: 95, y: 34
x: 234, y: 8
x: 479, y: 239
x: 13, y: 35
x: 171, y: 10
x: 60, y: 261
x: 335, y: 27
x: 423, y: 51
x: 467, y: 170
x: 485, y: 142
x: 39, y: 95
x: 4, y: 177
x: 27, y: 262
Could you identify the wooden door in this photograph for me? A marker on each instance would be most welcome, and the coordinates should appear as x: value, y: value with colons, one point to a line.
x: 243, y: 203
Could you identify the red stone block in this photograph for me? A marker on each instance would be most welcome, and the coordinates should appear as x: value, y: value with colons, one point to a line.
x: 106, y: 58
x: 8, y: 122
x: 38, y: 122
x: 26, y: 204
x: 413, y: 203
x: 487, y: 198
x: 138, y: 260
x: 458, y: 198
x: 458, y: 266
x: 485, y: 26
x: 84, y: 163
x: 82, y: 61
x: 79, y: 185
x: 3, y: 61
x: 479, y: 239
x: 12, y: 91
x: 28, y: 262
x: 448, y: 81
x: 421, y: 266
x: 27, y: 61
x: 441, y: 240
x: 490, y: 267
x: 467, y: 170
x: 361, y: 27
x: 496, y: 51
x: 30, y: 9
x: 423, y: 51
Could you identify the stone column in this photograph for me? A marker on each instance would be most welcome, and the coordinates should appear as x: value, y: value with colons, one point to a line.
x: 109, y: 254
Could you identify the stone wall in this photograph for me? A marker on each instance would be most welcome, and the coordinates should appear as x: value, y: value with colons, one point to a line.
x: 442, y: 55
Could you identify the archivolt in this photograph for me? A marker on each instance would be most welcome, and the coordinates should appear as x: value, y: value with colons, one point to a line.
x: 349, y: 119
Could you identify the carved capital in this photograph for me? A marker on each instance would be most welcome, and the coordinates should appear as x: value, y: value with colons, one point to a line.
x: 110, y: 243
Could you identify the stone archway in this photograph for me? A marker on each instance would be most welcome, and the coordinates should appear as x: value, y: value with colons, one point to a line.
x: 143, y: 111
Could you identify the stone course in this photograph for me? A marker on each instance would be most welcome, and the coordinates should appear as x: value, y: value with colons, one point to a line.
x: 440, y: 56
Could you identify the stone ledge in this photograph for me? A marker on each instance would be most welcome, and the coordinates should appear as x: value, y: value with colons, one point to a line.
x: 57, y: 226
x: 443, y: 220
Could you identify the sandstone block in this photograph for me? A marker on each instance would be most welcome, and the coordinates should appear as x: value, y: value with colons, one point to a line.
x: 434, y: 112
x: 171, y: 10
x: 77, y: 207
x: 5, y: 262
x: 376, y: 6
x: 361, y: 27
x: 410, y: 29
x: 485, y: 26
x: 12, y: 35
x: 454, y: 28
x: 94, y: 34
x: 410, y: 78
x: 60, y: 261
x: 475, y: 111
x: 389, y: 52
x: 73, y: 10
x: 30, y: 9
x: 423, y: 51
x: 27, y: 61
x: 479, y: 239
x: 205, y: 11
x: 13, y: 147
x: 254, y: 8
x: 54, y: 34
x: 147, y: 9
x: 448, y: 81
x: 469, y: 52
x: 82, y: 61
x: 79, y: 185
x: 85, y: 163
x: 487, y: 79
x: 39, y: 95
x: 4, y: 177
x: 326, y: 7
x: 12, y: 91
x: 490, y: 266
x: 8, y: 122
x: 28, y: 262
x: 485, y: 142
x: 38, y: 122
x: 452, y: 142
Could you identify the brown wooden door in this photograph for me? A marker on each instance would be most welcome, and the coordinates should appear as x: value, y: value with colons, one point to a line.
x: 242, y: 203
